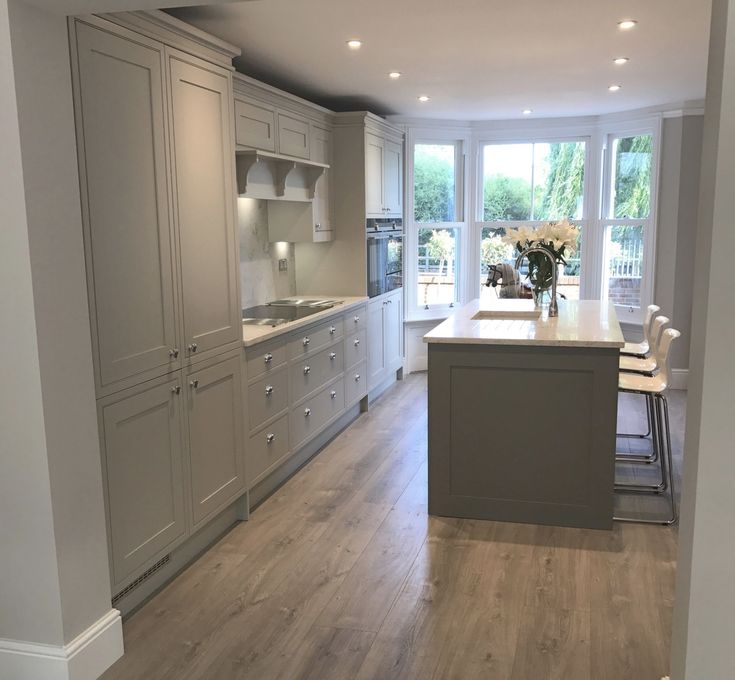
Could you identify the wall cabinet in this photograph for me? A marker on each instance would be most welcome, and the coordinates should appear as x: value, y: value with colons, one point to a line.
x: 385, y: 337
x: 255, y: 125
x: 383, y: 177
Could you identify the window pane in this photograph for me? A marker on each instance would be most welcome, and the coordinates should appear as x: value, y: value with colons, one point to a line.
x: 438, y: 250
x: 623, y: 265
x: 435, y: 182
x: 631, y: 190
x: 506, y: 182
x: 570, y: 276
x: 558, y: 181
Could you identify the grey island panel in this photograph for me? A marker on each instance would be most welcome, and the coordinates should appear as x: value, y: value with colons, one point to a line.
x: 523, y: 434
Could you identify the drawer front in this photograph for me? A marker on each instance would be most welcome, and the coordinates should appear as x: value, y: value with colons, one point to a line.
x: 293, y: 136
x: 267, y: 397
x: 308, y: 419
x: 312, y: 372
x: 355, y: 348
x: 265, y: 359
x: 315, y: 338
x: 255, y: 126
x: 355, y: 383
x: 266, y: 450
x: 356, y: 319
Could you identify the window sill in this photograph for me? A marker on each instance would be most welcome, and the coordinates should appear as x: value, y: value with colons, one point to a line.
x: 428, y: 315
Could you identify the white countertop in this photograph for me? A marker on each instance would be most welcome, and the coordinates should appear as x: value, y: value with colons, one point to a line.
x: 581, y: 323
x: 252, y: 335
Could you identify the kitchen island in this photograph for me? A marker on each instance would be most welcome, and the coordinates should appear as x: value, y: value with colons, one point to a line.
x: 522, y: 413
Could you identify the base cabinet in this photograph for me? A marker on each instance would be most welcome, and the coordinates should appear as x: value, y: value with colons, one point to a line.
x: 385, y: 337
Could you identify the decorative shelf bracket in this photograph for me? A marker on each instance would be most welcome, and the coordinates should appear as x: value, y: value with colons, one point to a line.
x: 282, y: 167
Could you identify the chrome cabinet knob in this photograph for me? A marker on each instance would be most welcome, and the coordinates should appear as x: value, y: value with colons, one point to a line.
x: 357, y: 342
x: 269, y: 438
x: 268, y: 390
x: 332, y: 330
x: 318, y: 226
x: 193, y: 347
x: 173, y: 353
x: 306, y: 341
x: 268, y: 358
x: 332, y: 356
x: 307, y: 412
x: 333, y: 394
x: 194, y: 383
x: 357, y: 319
x: 176, y: 389
x: 307, y: 370
x: 357, y: 377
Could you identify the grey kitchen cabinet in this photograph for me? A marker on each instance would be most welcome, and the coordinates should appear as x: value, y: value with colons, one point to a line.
x: 204, y: 191
x: 215, y: 429
x: 131, y: 269
x: 255, y: 125
x: 142, y: 453
x: 293, y: 135
x: 383, y: 177
x: 393, y: 179
x: 385, y: 337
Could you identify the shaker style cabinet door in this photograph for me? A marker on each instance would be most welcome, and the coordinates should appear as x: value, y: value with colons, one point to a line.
x: 376, y: 345
x: 393, y: 328
x: 215, y: 437
x: 374, y: 150
x: 123, y: 161
x: 393, y: 179
x: 142, y: 452
x: 204, y: 157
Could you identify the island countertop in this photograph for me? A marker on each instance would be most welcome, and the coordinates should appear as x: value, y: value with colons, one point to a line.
x: 581, y: 323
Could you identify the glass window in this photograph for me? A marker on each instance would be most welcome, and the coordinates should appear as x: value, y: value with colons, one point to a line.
x: 438, y: 265
x: 623, y: 264
x: 435, y: 183
x: 535, y: 181
x: 631, y: 182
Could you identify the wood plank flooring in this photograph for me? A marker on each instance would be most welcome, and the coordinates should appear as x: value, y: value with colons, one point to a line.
x: 342, y: 575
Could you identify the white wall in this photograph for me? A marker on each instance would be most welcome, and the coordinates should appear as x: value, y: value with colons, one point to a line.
x: 702, y: 645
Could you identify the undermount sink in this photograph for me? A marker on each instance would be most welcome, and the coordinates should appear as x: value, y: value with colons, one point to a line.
x: 488, y: 314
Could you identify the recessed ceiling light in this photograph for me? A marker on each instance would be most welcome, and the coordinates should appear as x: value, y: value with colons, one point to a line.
x: 614, y: 88
x: 394, y: 74
x: 354, y: 44
x: 621, y: 60
x: 424, y: 98
x: 527, y: 112
x: 627, y: 24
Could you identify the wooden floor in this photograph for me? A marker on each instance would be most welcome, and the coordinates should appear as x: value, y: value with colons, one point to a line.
x: 342, y: 575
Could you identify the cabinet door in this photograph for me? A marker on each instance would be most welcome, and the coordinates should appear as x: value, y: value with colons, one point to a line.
x: 376, y: 346
x: 215, y: 437
x: 142, y: 451
x: 393, y: 329
x: 255, y: 126
x: 374, y: 147
x: 204, y: 158
x: 321, y: 144
x: 123, y: 160
x: 393, y: 179
x: 293, y: 135
x: 322, y: 209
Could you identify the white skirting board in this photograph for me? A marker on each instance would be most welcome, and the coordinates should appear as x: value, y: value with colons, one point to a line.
x: 86, y: 657
x: 679, y: 378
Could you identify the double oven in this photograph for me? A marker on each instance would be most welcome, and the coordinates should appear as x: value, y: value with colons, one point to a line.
x: 384, y: 255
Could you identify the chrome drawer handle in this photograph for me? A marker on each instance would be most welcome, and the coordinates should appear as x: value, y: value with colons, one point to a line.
x: 268, y: 390
x: 307, y: 370
x: 307, y: 412
x: 357, y: 377
x: 332, y: 356
x: 176, y: 389
x: 194, y: 383
x: 193, y: 347
x: 333, y: 394
x: 269, y: 439
x: 174, y: 353
x: 357, y: 319
x: 268, y: 358
x: 305, y: 341
x: 357, y: 342
x: 332, y: 330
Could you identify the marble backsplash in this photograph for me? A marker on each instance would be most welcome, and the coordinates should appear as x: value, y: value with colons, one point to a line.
x: 259, y: 276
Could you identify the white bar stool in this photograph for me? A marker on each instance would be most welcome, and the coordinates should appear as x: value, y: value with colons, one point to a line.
x: 654, y: 387
x: 641, y: 349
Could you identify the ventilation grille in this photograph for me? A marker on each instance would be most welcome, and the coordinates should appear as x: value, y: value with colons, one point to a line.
x: 143, y: 577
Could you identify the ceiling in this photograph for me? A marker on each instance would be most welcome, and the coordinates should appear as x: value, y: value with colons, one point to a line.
x: 476, y: 59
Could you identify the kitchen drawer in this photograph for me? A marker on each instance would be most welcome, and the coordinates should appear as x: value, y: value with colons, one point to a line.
x: 265, y: 359
x: 268, y: 397
x: 315, y: 338
x: 255, y: 126
x: 266, y: 450
x: 310, y: 373
x: 355, y: 348
x: 355, y: 383
x: 310, y: 418
x: 356, y: 319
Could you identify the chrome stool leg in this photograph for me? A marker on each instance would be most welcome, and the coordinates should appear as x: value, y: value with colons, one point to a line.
x: 647, y: 458
x: 637, y: 435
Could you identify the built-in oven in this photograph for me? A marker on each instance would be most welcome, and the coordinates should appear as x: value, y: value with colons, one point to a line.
x: 384, y: 255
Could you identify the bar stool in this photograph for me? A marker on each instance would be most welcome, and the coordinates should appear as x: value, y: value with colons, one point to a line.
x: 646, y: 366
x: 655, y: 387
x: 641, y: 349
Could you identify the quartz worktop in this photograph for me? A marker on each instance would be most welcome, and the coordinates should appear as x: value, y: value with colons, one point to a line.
x: 252, y: 335
x: 581, y: 323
